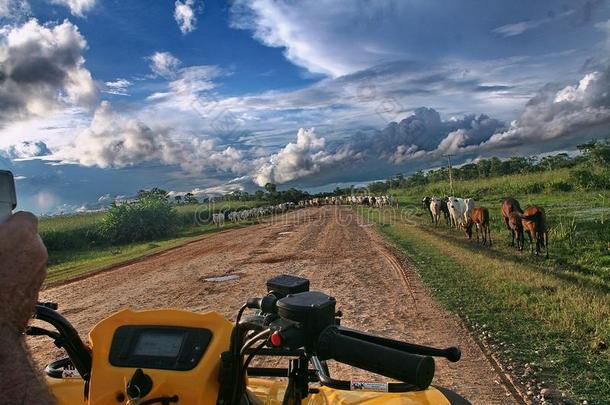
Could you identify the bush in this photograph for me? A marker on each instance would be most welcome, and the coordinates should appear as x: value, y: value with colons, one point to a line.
x: 586, y: 179
x: 559, y: 185
x: 146, y: 219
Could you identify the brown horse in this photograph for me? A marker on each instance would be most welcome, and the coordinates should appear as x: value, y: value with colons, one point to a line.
x: 479, y: 216
x: 510, y: 205
x: 516, y: 229
x: 534, y: 223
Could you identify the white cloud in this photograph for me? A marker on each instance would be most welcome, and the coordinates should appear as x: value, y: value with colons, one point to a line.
x: 14, y: 9
x: 570, y: 112
x: 185, y: 91
x: 164, y: 64
x: 185, y: 15
x: 117, y: 87
x: 27, y: 150
x: 296, y: 160
x: 325, y: 36
x: 77, y: 7
x: 42, y: 68
x: 114, y: 140
x: 518, y: 28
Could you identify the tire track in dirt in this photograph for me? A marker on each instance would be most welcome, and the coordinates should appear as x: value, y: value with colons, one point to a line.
x: 330, y: 246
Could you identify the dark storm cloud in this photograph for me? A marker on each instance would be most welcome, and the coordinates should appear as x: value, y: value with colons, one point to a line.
x: 40, y: 67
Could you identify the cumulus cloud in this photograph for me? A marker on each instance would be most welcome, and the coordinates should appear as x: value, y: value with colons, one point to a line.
x: 303, y: 158
x: 569, y: 112
x: 164, y: 64
x: 77, y: 7
x: 114, y: 140
x: 27, y: 150
x: 118, y: 87
x: 41, y: 68
x: 185, y: 14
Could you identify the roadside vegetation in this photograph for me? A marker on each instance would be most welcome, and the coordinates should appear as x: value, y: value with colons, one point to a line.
x: 152, y: 222
x: 548, y: 320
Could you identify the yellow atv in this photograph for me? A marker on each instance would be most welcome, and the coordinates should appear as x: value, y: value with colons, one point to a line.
x: 177, y: 357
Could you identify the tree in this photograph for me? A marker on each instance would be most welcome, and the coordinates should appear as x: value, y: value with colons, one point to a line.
x: 189, y: 198
x: 154, y: 193
x: 597, y: 152
x: 271, y: 188
x: 178, y: 199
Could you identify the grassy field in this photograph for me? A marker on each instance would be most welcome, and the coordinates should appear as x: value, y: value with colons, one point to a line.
x: 72, y: 254
x: 553, y: 315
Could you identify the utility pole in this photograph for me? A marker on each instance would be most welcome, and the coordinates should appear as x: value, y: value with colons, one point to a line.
x: 448, y: 156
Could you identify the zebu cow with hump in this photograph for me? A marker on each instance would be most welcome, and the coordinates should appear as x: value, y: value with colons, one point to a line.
x: 456, y: 207
x: 534, y: 223
x: 218, y: 219
x: 479, y: 217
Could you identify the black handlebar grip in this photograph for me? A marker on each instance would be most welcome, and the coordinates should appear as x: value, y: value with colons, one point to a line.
x: 407, y: 367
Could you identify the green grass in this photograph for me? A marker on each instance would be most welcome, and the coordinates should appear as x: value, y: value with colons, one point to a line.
x: 554, y: 313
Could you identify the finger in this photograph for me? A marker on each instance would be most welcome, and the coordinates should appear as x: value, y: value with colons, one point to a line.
x: 23, y: 221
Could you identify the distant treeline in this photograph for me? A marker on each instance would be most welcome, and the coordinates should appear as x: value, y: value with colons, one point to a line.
x: 270, y: 195
x: 590, y: 169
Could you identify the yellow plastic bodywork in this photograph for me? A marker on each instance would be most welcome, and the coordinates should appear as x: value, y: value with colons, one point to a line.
x: 271, y: 392
x: 198, y: 386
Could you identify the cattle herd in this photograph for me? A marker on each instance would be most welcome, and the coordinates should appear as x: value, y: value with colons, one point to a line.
x: 368, y: 200
x: 219, y: 219
x: 251, y: 213
x: 462, y: 213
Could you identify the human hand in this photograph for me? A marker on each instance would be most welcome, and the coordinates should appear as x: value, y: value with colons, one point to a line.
x: 23, y: 262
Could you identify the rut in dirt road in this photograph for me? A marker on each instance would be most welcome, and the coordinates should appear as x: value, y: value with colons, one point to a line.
x: 338, y: 253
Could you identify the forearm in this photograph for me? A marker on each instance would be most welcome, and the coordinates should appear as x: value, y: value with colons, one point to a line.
x: 19, y: 383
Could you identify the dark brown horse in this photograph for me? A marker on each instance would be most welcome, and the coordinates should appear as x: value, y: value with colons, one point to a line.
x: 534, y: 223
x: 516, y: 229
x: 479, y: 217
x: 510, y: 205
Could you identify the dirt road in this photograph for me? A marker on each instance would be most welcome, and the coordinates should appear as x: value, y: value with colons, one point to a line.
x: 338, y: 253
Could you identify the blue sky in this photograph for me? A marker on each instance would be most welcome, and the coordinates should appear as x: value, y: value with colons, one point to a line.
x: 101, y: 98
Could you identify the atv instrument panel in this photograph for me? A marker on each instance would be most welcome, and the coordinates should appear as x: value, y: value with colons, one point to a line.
x: 158, y: 347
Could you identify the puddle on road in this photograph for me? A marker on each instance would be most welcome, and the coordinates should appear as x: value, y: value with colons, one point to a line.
x: 285, y: 233
x: 365, y: 225
x: 219, y: 279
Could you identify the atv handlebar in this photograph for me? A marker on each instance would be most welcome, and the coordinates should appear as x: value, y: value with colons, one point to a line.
x: 67, y: 338
x: 380, y: 359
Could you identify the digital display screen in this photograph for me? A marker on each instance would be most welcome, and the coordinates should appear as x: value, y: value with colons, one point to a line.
x: 159, y: 344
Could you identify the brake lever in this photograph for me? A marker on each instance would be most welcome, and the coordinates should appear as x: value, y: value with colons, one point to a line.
x: 36, y: 331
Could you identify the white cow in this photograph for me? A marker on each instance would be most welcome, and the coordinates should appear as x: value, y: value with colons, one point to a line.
x: 218, y: 219
x: 435, y: 209
x: 457, y: 207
